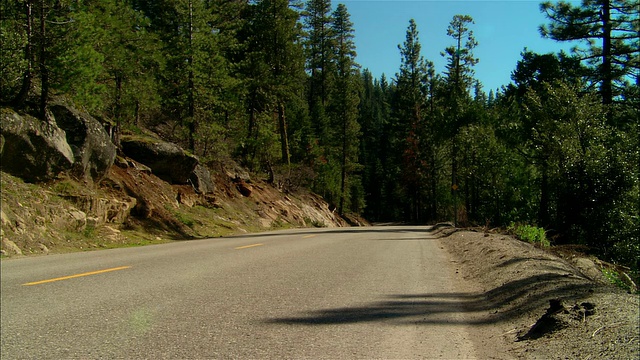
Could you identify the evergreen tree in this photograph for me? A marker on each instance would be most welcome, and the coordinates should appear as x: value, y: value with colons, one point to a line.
x: 345, y: 105
x: 459, y: 75
x: 610, y: 30
x: 16, y: 50
x: 130, y: 56
x: 410, y: 104
x: 319, y: 46
x: 274, y: 67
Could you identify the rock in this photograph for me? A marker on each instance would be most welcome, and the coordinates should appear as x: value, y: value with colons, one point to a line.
x: 105, y: 210
x: 140, y: 167
x: 10, y: 247
x: 244, y: 188
x: 184, y: 198
x: 44, y: 248
x: 5, y: 219
x: 93, y: 150
x: 78, y: 219
x: 167, y: 161
x: 143, y: 208
x: 34, y: 150
x: 20, y: 226
x: 201, y: 180
x: 111, y: 234
x: 121, y: 162
x: 589, y: 269
x: 92, y: 222
x: 236, y: 172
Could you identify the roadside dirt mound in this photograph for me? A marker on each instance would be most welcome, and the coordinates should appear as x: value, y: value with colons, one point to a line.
x: 542, y: 306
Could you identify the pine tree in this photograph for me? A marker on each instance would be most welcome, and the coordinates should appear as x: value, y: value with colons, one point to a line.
x: 273, y: 66
x: 459, y: 75
x: 610, y: 30
x: 345, y: 102
x: 319, y: 50
x: 410, y: 113
x: 16, y: 50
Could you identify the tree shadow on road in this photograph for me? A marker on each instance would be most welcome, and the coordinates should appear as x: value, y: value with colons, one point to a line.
x: 504, y: 303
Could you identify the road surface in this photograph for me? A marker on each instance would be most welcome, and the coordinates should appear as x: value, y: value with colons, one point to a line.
x: 374, y: 292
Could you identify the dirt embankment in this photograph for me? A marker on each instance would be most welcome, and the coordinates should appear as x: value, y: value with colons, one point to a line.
x: 539, y: 306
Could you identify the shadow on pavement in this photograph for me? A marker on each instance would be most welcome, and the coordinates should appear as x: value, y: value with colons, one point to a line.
x: 503, y: 303
x: 424, y: 229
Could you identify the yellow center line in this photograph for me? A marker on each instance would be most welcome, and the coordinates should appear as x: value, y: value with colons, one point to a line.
x: 248, y: 246
x: 308, y: 236
x: 76, y: 276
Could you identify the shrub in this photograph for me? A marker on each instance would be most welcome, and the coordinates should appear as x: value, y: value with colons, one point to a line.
x: 531, y: 234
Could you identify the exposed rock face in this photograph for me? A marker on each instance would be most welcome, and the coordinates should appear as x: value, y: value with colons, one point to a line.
x: 167, y: 161
x: 201, y: 180
x: 92, y: 148
x: 104, y: 209
x: 33, y: 150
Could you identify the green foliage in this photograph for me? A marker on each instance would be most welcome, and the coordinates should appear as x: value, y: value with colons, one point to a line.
x: 315, y: 223
x: 609, y: 30
x: 531, y: 234
x: 89, y: 231
x: 13, y: 62
x: 617, y: 279
x: 185, y: 219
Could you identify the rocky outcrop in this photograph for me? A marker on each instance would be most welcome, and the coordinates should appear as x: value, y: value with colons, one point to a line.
x: 167, y: 160
x: 104, y: 210
x: 33, y: 150
x: 201, y: 180
x: 93, y: 150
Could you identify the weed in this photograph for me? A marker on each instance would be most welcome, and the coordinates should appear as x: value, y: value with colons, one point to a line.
x: 318, y: 224
x: 64, y: 187
x: 89, y: 231
x: 314, y: 223
x: 185, y: 219
x: 615, y: 279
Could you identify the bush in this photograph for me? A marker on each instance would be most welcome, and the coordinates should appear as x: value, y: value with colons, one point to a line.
x: 531, y: 234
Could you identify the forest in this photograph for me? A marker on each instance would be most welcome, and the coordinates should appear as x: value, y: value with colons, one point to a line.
x: 276, y: 86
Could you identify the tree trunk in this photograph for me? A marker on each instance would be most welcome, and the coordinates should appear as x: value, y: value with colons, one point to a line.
x: 284, y: 140
x: 191, y: 100
x: 454, y: 179
x: 343, y: 165
x: 44, y: 71
x: 543, y: 211
x: 28, y: 55
x: 607, y: 74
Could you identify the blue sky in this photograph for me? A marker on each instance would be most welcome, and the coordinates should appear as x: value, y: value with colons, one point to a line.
x: 502, y: 28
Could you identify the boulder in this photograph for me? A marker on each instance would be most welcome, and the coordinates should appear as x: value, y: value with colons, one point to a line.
x: 244, y: 188
x: 201, y: 180
x: 34, y: 150
x: 94, y: 153
x: 167, y: 160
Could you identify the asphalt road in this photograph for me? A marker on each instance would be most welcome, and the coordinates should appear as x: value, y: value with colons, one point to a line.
x: 375, y: 292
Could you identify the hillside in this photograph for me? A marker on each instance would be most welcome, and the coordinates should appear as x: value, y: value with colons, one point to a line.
x: 131, y: 206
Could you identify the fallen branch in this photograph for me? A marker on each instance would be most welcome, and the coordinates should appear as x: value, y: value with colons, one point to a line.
x: 608, y: 325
